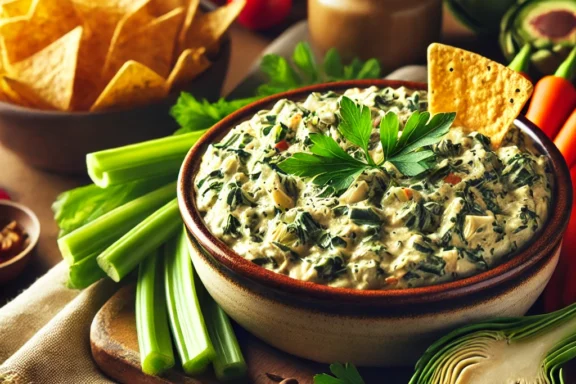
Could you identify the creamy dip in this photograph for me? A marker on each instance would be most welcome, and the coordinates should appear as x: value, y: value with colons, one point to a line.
x: 475, y: 208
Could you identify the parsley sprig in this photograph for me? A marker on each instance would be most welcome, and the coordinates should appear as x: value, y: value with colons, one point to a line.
x: 330, y: 165
x: 343, y: 374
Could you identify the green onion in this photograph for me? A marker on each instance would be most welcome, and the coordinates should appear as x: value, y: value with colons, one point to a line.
x: 102, y: 232
x: 156, y: 355
x: 84, y: 273
x: 126, y: 253
x: 186, y: 319
x: 140, y: 161
x: 229, y: 362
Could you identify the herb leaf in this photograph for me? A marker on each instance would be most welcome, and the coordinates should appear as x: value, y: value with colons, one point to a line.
x: 356, y: 124
x: 389, y: 126
x: 370, y: 70
x: 304, y: 60
x: 280, y: 72
x: 429, y: 133
x: 343, y: 374
x: 333, y: 67
x: 414, y: 163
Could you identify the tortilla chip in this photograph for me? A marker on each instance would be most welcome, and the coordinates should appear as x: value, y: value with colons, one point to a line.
x: 50, y: 73
x: 152, y: 46
x: 207, y: 29
x: 16, y: 92
x: 190, y: 64
x: 191, y: 10
x: 134, y: 84
x: 161, y: 7
x: 25, y: 35
x: 99, y: 19
x: 15, y: 8
x: 486, y: 96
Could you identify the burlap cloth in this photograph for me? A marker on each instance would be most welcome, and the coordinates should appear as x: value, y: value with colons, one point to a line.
x: 45, y: 331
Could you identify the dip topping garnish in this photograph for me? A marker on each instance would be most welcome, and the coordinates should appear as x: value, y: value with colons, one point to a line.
x: 330, y: 165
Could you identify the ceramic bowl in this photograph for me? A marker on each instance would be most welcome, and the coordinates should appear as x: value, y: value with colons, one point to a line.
x: 59, y: 141
x: 27, y: 219
x: 366, y: 327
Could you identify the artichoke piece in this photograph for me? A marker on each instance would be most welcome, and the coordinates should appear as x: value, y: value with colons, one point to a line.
x: 527, y: 350
x: 549, y: 26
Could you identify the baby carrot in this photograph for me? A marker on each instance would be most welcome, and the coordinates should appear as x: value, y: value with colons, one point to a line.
x: 554, y: 98
x: 566, y: 139
x: 521, y: 61
x: 568, y: 252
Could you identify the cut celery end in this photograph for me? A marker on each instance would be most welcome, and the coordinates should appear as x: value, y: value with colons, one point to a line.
x: 103, y: 231
x: 142, y: 160
x: 84, y: 273
x: 186, y: 319
x: 127, y: 252
x: 156, y: 353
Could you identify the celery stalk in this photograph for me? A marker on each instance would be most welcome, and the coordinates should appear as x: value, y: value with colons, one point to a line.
x: 229, y: 362
x: 102, y: 232
x: 186, y: 318
x: 140, y: 161
x: 127, y: 252
x: 84, y: 273
x: 156, y: 354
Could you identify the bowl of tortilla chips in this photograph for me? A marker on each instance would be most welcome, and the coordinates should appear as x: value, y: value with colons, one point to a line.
x: 77, y: 76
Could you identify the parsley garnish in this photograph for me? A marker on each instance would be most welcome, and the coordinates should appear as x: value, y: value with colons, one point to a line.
x: 343, y: 374
x: 330, y: 165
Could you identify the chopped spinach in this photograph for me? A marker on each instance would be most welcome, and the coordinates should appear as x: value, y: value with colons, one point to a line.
x: 365, y: 216
x: 232, y: 226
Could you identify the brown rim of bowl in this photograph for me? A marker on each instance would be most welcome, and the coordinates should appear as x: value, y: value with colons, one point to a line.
x: 33, y: 241
x: 531, y: 254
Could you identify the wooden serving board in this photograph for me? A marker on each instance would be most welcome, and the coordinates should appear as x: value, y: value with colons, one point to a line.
x: 115, y: 349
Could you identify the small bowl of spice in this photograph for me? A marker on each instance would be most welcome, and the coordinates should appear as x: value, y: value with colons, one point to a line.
x: 19, y: 233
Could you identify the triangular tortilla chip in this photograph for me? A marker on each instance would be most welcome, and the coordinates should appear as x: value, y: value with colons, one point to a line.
x: 100, y: 19
x: 15, y: 8
x: 152, y: 46
x: 485, y: 95
x: 161, y: 7
x: 50, y: 72
x: 208, y: 28
x: 19, y: 93
x: 134, y: 84
x: 26, y: 35
x: 190, y: 64
x: 191, y: 11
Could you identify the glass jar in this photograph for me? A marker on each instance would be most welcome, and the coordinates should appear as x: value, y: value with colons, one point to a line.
x: 397, y: 32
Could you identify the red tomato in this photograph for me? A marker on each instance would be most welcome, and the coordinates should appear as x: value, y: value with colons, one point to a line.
x: 4, y: 195
x: 452, y: 179
x: 281, y: 146
x: 263, y: 14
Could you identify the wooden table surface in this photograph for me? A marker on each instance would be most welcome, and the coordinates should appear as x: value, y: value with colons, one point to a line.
x: 38, y: 189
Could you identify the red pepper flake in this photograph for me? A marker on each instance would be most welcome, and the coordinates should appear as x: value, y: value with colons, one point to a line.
x: 452, y: 179
x: 282, y: 145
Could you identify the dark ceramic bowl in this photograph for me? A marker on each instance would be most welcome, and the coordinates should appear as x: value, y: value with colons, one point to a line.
x: 59, y: 141
x: 10, y: 211
x: 367, y: 327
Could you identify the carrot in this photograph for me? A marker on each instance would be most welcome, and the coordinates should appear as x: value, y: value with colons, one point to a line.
x: 568, y: 252
x: 566, y: 139
x: 554, y: 98
x: 521, y: 61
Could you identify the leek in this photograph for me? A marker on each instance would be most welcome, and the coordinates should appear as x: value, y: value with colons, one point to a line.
x: 102, y: 232
x: 84, y: 273
x: 128, y: 251
x: 186, y: 319
x: 156, y: 355
x: 140, y: 161
x: 527, y: 350
x: 229, y: 362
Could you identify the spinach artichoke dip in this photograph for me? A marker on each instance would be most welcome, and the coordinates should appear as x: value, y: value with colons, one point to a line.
x: 472, y: 209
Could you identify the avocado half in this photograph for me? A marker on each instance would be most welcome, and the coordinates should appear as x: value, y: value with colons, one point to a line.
x: 481, y: 16
x: 548, y: 25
